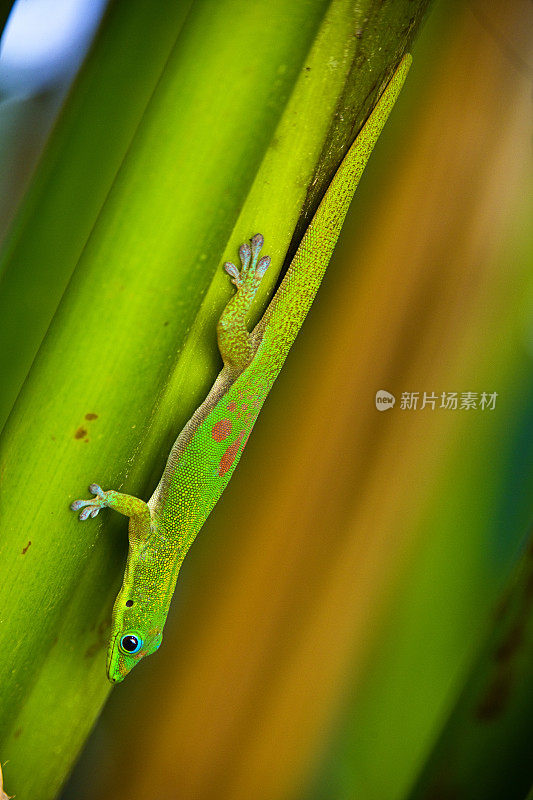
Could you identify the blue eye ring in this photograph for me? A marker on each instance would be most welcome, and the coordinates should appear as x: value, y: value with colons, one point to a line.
x: 130, y: 643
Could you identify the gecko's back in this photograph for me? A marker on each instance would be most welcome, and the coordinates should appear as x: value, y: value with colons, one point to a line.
x: 206, y: 464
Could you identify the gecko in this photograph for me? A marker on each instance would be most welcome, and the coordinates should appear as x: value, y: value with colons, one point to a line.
x: 206, y: 452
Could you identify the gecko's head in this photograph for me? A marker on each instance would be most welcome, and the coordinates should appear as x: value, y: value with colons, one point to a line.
x: 134, y: 636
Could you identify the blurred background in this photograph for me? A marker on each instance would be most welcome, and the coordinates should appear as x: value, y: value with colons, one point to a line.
x: 42, y: 47
x: 359, y: 627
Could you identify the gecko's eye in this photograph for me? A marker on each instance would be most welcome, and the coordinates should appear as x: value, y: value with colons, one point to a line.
x: 131, y: 644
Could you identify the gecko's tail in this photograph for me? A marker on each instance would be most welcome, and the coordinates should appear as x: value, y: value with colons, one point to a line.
x: 289, y: 306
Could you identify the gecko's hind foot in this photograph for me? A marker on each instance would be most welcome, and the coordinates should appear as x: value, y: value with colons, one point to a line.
x: 90, y: 508
x: 252, y: 268
x: 234, y: 341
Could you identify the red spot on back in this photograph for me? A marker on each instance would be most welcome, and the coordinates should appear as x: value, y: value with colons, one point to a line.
x: 232, y: 406
x: 221, y: 430
x: 229, y: 456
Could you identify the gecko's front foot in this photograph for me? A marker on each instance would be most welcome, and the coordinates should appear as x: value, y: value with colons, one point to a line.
x: 248, y: 278
x: 90, y: 508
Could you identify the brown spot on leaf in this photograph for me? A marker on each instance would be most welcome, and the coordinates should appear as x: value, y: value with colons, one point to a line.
x: 91, y: 416
x: 25, y: 549
x: 17, y: 733
x: 81, y: 433
x: 507, y: 648
x: 102, y: 635
x: 503, y: 606
x: 495, y: 699
x: 441, y: 789
x: 92, y: 650
x: 529, y: 588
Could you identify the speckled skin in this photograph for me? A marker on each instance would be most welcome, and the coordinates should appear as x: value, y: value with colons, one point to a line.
x: 209, y: 447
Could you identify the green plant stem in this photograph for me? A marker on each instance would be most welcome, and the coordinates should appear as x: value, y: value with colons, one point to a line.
x: 80, y: 162
x: 219, y: 154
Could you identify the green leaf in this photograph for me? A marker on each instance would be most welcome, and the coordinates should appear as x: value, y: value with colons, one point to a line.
x: 484, y: 750
x: 92, y: 135
x: 229, y: 144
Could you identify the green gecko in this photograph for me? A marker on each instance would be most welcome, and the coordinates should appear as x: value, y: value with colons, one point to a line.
x: 210, y: 445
